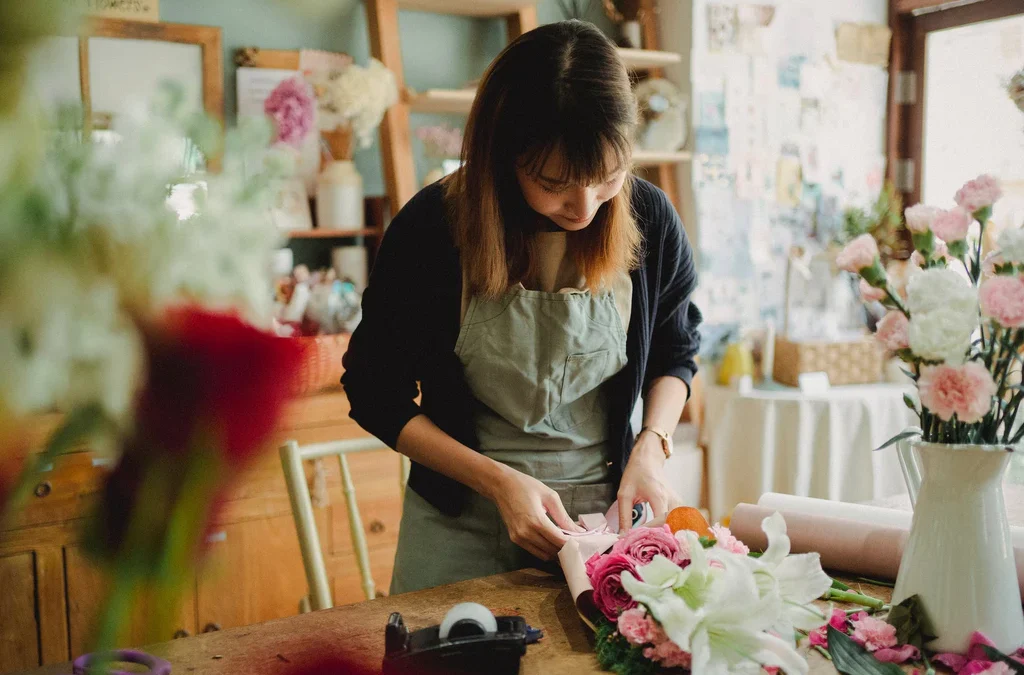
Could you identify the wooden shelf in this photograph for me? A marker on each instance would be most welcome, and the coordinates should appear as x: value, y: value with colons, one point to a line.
x: 649, y: 158
x: 642, y: 59
x: 442, y: 101
x: 332, y: 234
x: 466, y: 7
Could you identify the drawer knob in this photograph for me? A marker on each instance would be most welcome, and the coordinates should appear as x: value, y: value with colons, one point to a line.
x: 43, y: 489
x: 211, y: 627
x: 181, y: 633
x: 376, y: 527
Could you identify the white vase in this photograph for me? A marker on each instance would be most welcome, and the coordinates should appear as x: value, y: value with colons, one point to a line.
x: 959, y: 555
x: 631, y: 33
x: 339, y: 197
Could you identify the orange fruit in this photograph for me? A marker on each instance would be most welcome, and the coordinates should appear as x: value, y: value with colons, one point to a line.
x: 688, y: 518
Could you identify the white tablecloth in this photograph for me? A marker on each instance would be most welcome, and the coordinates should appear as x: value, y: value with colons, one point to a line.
x: 780, y: 440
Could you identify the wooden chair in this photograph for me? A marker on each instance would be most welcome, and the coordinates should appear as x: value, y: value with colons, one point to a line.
x: 292, y: 457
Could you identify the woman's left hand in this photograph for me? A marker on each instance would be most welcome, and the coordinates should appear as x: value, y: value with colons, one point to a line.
x: 643, y: 481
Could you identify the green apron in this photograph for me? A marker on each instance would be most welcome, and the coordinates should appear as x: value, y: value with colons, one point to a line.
x: 536, y: 363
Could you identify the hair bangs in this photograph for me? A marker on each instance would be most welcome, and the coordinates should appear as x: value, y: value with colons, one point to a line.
x: 587, y: 158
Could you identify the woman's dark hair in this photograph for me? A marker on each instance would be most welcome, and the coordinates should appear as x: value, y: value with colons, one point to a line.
x: 559, y: 88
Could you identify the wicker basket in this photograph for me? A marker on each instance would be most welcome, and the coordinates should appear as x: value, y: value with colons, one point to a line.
x: 321, y: 365
x: 857, y: 362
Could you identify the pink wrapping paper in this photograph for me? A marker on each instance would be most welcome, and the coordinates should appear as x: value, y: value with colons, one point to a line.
x: 846, y: 545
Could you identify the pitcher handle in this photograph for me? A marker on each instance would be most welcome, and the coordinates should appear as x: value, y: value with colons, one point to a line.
x: 910, y: 468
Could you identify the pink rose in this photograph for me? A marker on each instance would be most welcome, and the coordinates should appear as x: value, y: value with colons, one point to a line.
x: 965, y: 391
x: 1002, y: 298
x: 893, y: 331
x: 606, y: 578
x: 858, y: 254
x: 593, y: 562
x: 819, y: 636
x: 869, y: 293
x: 724, y: 539
x: 976, y: 662
x: 952, y: 225
x: 978, y: 193
x: 919, y: 218
x: 643, y: 543
x: 636, y: 626
x: 873, y: 634
x: 291, y: 107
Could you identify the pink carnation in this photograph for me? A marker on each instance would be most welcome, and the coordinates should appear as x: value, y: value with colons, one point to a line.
x: 606, y: 578
x: 952, y: 225
x: 858, y: 254
x: 725, y: 539
x: 965, y: 391
x: 893, y: 331
x: 976, y: 662
x: 667, y: 653
x: 1002, y: 298
x: 873, y: 634
x: 636, y: 626
x: 919, y: 217
x: 940, y: 252
x: 869, y: 293
x: 819, y: 636
x: 978, y: 193
x: 291, y: 107
x: 643, y: 543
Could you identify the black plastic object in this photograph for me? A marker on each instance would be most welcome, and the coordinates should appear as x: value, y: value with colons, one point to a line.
x: 468, y: 649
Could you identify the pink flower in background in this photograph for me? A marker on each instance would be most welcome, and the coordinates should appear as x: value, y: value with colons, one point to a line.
x: 819, y: 636
x: 976, y: 662
x: 941, y: 252
x: 869, y: 293
x: 606, y: 578
x: 858, y: 254
x: 965, y: 391
x: 724, y: 539
x: 873, y: 634
x: 893, y: 331
x: 978, y: 193
x: 636, y: 626
x: 990, y: 262
x: 291, y: 106
x: 952, y: 225
x: 643, y: 543
x: 666, y: 652
x: 441, y: 141
x: 1002, y: 298
x: 900, y: 654
x: 919, y: 217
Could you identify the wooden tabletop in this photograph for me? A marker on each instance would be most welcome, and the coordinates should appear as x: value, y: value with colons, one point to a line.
x: 282, y: 646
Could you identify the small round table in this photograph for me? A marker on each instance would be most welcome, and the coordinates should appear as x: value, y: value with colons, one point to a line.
x: 778, y: 439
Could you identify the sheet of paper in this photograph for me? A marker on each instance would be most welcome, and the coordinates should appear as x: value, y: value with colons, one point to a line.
x: 863, y: 43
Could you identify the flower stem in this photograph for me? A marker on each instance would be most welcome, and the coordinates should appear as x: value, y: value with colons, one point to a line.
x: 855, y: 598
x: 824, y: 652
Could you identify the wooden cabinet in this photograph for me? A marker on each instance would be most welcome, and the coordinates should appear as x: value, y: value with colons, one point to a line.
x: 254, y: 572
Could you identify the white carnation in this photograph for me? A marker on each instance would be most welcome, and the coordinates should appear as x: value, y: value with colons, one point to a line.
x: 1011, y: 245
x: 941, y: 288
x: 942, y: 334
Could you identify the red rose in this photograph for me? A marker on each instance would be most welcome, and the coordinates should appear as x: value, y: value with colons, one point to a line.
x: 609, y: 595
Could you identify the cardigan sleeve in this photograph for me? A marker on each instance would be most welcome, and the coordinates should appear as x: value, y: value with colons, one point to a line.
x: 675, y: 340
x: 383, y: 361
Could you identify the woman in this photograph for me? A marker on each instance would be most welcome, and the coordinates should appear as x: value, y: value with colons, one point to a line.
x: 534, y: 295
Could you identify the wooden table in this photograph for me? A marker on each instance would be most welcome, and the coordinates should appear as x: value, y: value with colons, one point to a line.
x: 284, y: 645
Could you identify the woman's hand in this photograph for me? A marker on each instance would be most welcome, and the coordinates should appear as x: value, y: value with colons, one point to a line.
x: 642, y: 481
x: 525, y: 505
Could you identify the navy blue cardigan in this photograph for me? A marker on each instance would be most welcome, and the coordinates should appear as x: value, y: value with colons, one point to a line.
x: 410, y: 323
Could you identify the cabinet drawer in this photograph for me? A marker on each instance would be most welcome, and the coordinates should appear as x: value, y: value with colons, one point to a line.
x: 64, y: 492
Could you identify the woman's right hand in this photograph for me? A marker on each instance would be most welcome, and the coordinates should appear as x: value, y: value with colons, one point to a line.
x: 525, y: 505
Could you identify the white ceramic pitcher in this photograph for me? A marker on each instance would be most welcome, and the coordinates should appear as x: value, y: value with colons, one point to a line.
x: 959, y: 555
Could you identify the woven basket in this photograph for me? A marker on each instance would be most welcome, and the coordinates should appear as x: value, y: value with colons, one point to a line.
x: 321, y: 364
x: 857, y: 362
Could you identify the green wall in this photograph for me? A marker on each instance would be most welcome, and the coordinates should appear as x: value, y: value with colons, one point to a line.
x: 438, y: 51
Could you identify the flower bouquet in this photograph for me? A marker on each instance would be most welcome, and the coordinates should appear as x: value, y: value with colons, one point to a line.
x: 960, y: 330
x: 351, y: 103
x: 144, y: 327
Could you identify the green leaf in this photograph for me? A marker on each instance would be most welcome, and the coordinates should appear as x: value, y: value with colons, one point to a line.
x: 909, y: 402
x: 707, y: 542
x: 913, y: 627
x: 616, y: 654
x: 996, y: 655
x: 909, y: 433
x: 850, y: 658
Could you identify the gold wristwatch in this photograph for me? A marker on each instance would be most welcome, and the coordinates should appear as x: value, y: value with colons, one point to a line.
x: 666, y: 439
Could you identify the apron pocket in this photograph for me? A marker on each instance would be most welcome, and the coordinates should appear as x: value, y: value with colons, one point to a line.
x: 581, y: 383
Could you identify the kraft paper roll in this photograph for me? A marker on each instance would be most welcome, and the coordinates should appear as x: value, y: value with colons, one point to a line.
x: 853, y: 539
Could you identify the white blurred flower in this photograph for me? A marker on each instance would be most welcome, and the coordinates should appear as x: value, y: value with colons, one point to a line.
x: 1011, y: 245
x: 941, y: 288
x: 942, y: 334
x: 355, y: 95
